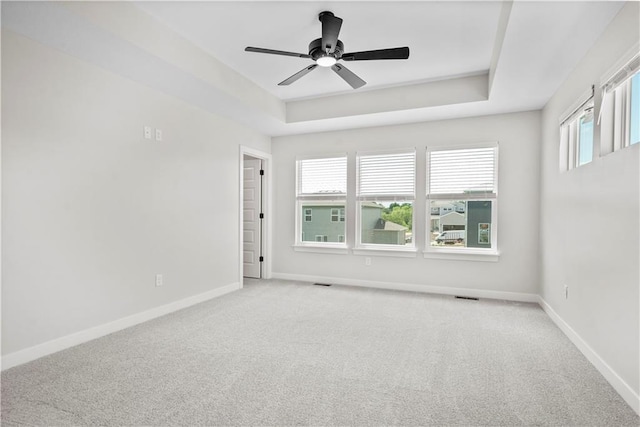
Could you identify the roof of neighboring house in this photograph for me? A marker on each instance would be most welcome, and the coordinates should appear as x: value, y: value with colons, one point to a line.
x: 452, y: 218
x: 382, y: 224
x: 371, y: 205
x: 338, y: 205
x: 388, y: 225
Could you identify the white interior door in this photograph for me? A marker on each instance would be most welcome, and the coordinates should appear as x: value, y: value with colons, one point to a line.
x: 252, y: 225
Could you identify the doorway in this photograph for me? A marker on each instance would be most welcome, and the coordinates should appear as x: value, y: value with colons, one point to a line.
x: 252, y: 217
x: 254, y: 224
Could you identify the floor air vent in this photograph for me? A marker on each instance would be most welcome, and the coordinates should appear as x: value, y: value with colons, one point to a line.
x: 321, y: 284
x: 469, y: 298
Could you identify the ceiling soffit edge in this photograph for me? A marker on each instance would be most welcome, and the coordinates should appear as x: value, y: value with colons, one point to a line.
x: 398, y: 98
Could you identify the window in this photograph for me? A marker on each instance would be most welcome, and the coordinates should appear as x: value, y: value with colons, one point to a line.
x: 337, y: 215
x: 585, y: 137
x: 576, y: 134
x: 462, y: 198
x: 386, y: 194
x: 321, y: 199
x: 619, y: 117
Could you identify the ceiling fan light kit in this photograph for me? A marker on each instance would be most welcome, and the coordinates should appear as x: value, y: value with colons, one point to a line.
x: 328, y: 50
x: 326, y: 61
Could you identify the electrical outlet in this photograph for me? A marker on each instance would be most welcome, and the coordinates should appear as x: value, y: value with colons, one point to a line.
x: 147, y: 132
x: 367, y: 261
x: 566, y: 291
x: 158, y: 135
x: 158, y: 279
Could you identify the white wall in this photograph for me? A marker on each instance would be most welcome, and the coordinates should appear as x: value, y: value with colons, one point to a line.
x: 91, y: 211
x: 517, y: 269
x: 590, y: 238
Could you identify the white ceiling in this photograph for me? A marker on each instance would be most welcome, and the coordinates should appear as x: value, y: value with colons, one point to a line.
x: 528, y: 54
x: 445, y: 39
x: 519, y: 52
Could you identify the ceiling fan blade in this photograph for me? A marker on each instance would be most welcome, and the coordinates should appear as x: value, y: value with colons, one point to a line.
x: 348, y: 76
x: 276, y: 52
x: 367, y: 55
x: 297, y: 75
x: 330, y: 30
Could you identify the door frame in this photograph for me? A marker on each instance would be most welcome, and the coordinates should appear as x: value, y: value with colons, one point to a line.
x: 265, y: 243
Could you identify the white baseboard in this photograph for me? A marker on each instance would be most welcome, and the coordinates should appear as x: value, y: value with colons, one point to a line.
x: 412, y: 287
x: 62, y: 343
x: 53, y: 346
x: 623, y: 389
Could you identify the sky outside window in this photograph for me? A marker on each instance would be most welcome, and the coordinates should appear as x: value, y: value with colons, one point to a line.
x: 585, y: 150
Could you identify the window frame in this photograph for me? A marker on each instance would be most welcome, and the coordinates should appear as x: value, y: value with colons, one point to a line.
x: 570, y: 131
x: 463, y: 253
x: 338, y: 215
x: 579, y: 121
x: 379, y: 248
x: 319, y: 199
x: 614, y: 117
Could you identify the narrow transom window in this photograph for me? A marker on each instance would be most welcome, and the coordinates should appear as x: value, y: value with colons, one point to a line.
x: 577, y: 133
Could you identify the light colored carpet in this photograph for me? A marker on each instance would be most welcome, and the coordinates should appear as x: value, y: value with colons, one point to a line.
x: 284, y: 353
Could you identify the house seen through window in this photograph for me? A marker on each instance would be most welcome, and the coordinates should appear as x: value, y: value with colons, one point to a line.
x: 325, y: 226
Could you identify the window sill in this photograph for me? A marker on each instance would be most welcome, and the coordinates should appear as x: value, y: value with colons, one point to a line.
x: 386, y: 251
x: 462, y: 255
x: 324, y: 249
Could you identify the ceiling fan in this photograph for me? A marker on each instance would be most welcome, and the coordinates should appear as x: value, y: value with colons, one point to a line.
x: 328, y: 50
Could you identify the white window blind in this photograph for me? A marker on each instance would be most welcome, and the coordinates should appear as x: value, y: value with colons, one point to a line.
x: 389, y: 175
x: 618, y: 116
x: 563, y: 155
x: 320, y: 177
x: 462, y: 171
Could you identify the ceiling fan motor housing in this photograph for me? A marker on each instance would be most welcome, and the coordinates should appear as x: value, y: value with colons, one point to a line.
x: 316, y: 51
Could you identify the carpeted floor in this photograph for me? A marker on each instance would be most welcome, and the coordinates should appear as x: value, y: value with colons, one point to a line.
x: 283, y: 353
